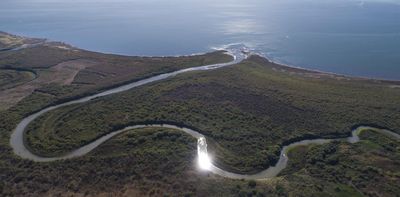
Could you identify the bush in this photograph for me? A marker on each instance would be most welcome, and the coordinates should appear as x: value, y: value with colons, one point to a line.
x: 252, y: 183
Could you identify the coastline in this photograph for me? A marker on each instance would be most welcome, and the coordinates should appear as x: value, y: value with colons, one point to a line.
x: 333, y: 74
x: 240, y: 53
x: 249, y: 51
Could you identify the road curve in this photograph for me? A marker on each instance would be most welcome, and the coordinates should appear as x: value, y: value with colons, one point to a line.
x: 19, y: 148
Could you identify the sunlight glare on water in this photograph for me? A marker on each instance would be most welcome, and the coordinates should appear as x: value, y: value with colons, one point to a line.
x: 352, y: 37
x: 203, y: 158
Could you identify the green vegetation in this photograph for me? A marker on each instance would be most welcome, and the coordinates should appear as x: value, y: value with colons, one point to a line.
x: 368, y: 168
x: 140, y: 162
x: 38, y: 57
x: 65, y: 73
x: 10, y: 78
x: 159, y: 161
x: 247, y: 111
x: 9, y: 41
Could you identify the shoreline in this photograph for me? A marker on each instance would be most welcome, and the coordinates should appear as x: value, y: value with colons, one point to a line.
x: 240, y: 53
x: 396, y: 82
x: 351, y: 77
x: 17, y: 136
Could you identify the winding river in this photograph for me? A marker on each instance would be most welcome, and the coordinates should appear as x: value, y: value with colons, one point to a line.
x: 238, y: 54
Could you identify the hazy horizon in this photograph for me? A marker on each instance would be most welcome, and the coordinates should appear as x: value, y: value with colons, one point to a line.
x: 359, y: 38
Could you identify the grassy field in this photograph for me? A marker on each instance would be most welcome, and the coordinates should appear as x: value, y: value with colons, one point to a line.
x: 247, y: 111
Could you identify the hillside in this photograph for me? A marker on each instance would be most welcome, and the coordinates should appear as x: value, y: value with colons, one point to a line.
x: 247, y: 112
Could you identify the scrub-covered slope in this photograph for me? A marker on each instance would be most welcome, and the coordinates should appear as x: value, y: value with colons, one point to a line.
x: 247, y: 111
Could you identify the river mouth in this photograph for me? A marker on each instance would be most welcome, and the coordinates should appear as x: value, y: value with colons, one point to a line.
x: 359, y: 41
x: 239, y: 53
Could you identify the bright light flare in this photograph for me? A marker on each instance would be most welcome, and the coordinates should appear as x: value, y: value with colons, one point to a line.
x: 204, y: 162
x: 203, y: 158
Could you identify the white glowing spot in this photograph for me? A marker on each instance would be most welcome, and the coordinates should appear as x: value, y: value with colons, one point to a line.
x: 204, y: 159
x: 204, y: 162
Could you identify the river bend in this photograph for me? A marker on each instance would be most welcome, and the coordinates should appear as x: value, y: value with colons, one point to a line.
x: 20, y: 149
